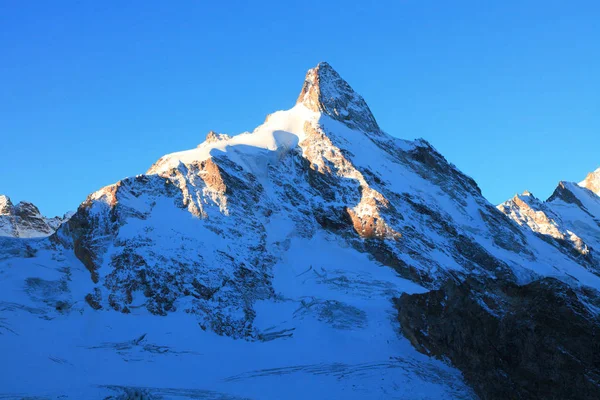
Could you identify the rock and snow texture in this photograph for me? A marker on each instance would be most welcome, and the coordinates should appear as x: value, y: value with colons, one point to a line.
x: 325, y: 92
x: 24, y: 220
x: 262, y: 265
x: 571, y: 216
x: 592, y: 182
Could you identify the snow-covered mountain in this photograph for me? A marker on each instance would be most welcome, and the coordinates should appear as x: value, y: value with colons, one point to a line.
x: 592, y: 182
x: 570, y: 216
x: 314, y: 257
x: 24, y: 220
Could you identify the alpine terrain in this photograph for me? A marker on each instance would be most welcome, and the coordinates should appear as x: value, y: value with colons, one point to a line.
x: 25, y: 220
x: 314, y: 257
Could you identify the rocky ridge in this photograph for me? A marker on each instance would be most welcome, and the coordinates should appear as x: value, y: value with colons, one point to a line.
x: 592, y: 182
x: 24, y: 220
x: 569, y: 218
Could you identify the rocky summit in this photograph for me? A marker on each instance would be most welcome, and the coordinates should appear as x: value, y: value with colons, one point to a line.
x: 24, y: 220
x: 315, y: 257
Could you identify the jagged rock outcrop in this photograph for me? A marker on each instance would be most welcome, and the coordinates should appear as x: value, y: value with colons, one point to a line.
x: 5, y: 205
x: 533, y: 341
x: 212, y: 137
x: 324, y: 91
x: 592, y: 182
x: 24, y: 220
x: 528, y: 210
x: 569, y: 219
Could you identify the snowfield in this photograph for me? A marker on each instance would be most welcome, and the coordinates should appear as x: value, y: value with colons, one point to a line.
x: 329, y: 333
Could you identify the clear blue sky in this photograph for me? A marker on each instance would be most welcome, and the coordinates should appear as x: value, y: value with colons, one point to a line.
x: 94, y: 91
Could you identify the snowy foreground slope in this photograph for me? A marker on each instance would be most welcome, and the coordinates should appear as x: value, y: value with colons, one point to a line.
x: 315, y: 257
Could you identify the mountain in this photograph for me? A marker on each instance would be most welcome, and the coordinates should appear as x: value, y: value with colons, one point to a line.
x: 569, y: 218
x: 314, y: 257
x: 24, y: 220
x: 592, y: 182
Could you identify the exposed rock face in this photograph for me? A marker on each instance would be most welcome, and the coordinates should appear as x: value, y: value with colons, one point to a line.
x: 24, y: 220
x: 212, y: 137
x: 592, y: 182
x: 366, y: 204
x: 519, y: 342
x: 570, y: 219
x: 5, y: 205
x: 161, y: 264
x: 527, y: 210
x: 325, y: 91
x: 564, y: 192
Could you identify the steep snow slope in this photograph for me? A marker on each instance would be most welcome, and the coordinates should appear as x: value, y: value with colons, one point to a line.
x: 263, y: 265
x: 328, y: 333
x: 25, y: 220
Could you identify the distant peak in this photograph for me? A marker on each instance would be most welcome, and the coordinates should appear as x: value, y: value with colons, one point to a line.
x: 27, y: 208
x: 213, y: 137
x: 526, y: 198
x: 564, y: 192
x: 22, y: 208
x: 592, y: 182
x: 5, y: 205
x: 325, y: 91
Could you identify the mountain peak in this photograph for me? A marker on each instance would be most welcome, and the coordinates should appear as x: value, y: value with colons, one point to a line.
x: 325, y: 91
x: 5, y: 205
x: 24, y: 220
x: 592, y: 182
x: 214, y: 137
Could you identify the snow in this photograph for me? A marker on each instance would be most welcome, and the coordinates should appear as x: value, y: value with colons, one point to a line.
x: 94, y: 354
x: 281, y: 132
x: 5, y: 205
x: 575, y: 221
x: 25, y: 221
x: 582, y: 221
x: 592, y: 182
